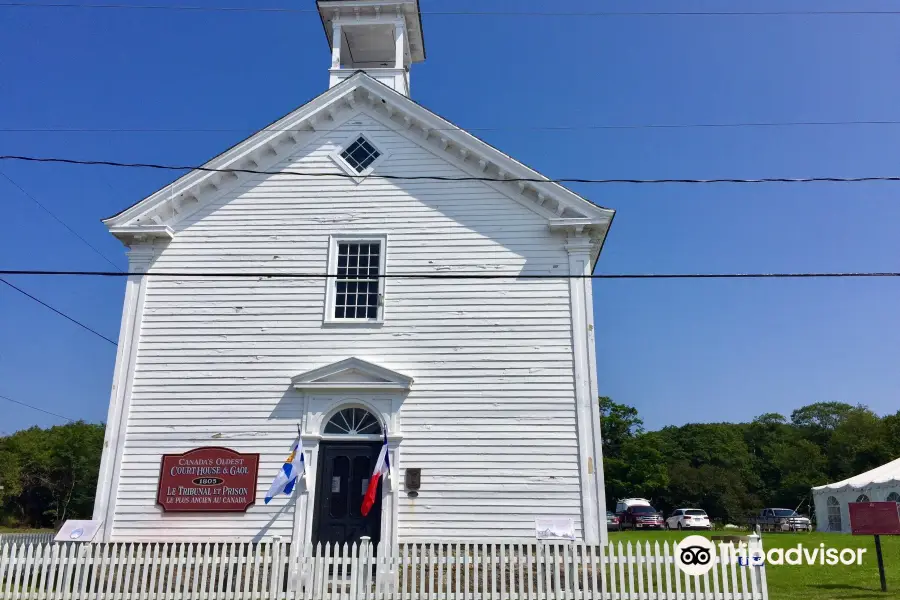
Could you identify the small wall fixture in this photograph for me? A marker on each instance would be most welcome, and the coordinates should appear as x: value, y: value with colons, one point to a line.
x: 413, y: 481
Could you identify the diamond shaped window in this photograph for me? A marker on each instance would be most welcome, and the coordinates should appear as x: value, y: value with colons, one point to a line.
x: 360, y: 154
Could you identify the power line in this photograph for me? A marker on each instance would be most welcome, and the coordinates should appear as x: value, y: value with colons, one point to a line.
x: 110, y: 163
x: 611, y: 126
x: 58, y: 220
x: 37, y: 409
x: 281, y: 275
x: 60, y: 313
x: 468, y: 13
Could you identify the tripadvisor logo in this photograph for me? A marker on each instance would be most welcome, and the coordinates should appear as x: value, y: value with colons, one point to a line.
x: 695, y: 555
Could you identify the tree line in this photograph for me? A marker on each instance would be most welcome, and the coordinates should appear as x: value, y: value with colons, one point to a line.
x: 49, y: 475
x: 728, y: 469
x: 733, y: 469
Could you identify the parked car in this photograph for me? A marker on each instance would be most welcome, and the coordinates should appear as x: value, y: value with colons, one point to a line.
x: 622, y: 505
x: 641, y: 516
x: 612, y: 522
x: 688, y: 518
x: 780, y: 519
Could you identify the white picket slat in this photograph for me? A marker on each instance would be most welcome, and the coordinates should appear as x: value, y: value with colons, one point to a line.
x: 64, y: 577
x: 30, y: 571
x: 50, y: 570
x: 744, y: 587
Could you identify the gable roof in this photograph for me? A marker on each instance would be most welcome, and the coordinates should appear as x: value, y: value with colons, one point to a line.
x: 157, y: 215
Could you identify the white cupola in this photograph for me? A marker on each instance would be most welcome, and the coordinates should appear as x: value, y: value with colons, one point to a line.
x: 381, y: 37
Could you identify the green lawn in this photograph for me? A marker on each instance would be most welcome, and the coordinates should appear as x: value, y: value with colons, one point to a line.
x: 819, y: 582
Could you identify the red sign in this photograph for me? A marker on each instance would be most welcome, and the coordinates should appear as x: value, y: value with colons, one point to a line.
x: 207, y: 480
x: 875, y: 518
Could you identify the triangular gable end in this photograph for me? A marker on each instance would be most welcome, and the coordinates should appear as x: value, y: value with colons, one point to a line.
x: 564, y: 210
x: 352, y: 374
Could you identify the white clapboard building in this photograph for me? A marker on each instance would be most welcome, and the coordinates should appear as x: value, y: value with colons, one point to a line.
x: 486, y: 388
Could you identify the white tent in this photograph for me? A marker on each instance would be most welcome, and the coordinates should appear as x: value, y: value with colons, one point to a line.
x: 878, y: 485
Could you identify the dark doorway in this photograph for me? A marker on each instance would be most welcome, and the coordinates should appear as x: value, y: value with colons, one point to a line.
x: 343, y: 476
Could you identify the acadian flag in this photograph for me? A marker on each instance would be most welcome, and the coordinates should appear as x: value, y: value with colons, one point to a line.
x: 288, y: 474
x: 382, y: 469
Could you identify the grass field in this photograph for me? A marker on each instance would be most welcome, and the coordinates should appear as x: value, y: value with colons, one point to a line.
x: 819, y: 582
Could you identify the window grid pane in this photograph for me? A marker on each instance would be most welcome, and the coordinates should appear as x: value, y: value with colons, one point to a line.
x: 356, y: 285
x: 360, y: 154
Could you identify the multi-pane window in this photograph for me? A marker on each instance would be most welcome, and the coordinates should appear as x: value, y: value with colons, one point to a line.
x: 834, y: 514
x: 360, y: 154
x: 356, y: 285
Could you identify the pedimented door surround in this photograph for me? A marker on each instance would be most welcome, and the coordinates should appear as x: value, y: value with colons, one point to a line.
x: 350, y: 383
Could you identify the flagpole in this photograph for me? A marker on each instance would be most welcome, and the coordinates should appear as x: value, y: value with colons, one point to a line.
x: 298, y: 544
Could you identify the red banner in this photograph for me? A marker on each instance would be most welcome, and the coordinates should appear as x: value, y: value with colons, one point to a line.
x: 875, y: 518
x: 207, y: 480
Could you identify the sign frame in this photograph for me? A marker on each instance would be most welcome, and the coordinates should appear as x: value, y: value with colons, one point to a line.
x: 886, y: 507
x: 874, y: 510
x: 209, y: 508
x: 554, y: 529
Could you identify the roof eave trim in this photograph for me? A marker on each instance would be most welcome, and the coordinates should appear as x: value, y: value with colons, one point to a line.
x: 145, y: 233
x: 551, y: 198
x: 462, y: 141
x: 288, y: 125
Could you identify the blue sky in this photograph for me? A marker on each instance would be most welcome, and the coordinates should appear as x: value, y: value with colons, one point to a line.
x: 680, y: 351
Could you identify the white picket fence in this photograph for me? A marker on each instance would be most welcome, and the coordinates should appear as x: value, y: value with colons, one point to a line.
x: 26, y: 538
x: 436, y: 571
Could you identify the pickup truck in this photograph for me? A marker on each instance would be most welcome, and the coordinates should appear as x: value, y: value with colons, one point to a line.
x: 780, y: 519
x: 640, y: 516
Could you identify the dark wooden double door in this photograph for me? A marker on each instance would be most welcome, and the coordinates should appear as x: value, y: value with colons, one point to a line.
x: 343, y: 475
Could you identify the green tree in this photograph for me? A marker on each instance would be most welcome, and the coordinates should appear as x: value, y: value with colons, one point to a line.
x: 892, y: 433
x: 858, y: 443
x: 824, y: 416
x: 618, y: 423
x: 51, y: 473
x: 639, y: 470
x: 798, y: 465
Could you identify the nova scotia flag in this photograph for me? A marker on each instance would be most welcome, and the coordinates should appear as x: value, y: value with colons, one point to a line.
x: 289, y: 473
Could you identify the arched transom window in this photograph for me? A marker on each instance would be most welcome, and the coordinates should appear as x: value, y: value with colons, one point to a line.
x: 863, y: 498
x: 834, y: 514
x: 893, y: 497
x: 353, y: 421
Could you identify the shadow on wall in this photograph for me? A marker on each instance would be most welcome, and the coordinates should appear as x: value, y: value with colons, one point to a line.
x: 291, y: 503
x: 479, y: 212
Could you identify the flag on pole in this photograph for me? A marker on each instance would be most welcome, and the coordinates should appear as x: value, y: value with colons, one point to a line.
x: 382, y: 469
x: 288, y: 474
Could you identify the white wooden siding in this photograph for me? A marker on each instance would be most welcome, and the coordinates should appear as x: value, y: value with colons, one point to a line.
x: 490, y: 419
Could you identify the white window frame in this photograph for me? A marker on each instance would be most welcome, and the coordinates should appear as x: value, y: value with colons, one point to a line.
x: 362, y: 238
x: 357, y: 176
x: 833, y: 512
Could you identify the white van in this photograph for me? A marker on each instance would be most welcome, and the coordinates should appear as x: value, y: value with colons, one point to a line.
x: 622, y: 505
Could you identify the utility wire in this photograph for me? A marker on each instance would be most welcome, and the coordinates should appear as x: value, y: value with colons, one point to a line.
x: 515, y: 128
x: 110, y: 163
x: 60, y: 313
x: 37, y: 409
x: 283, y: 275
x: 529, y: 13
x: 58, y: 220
